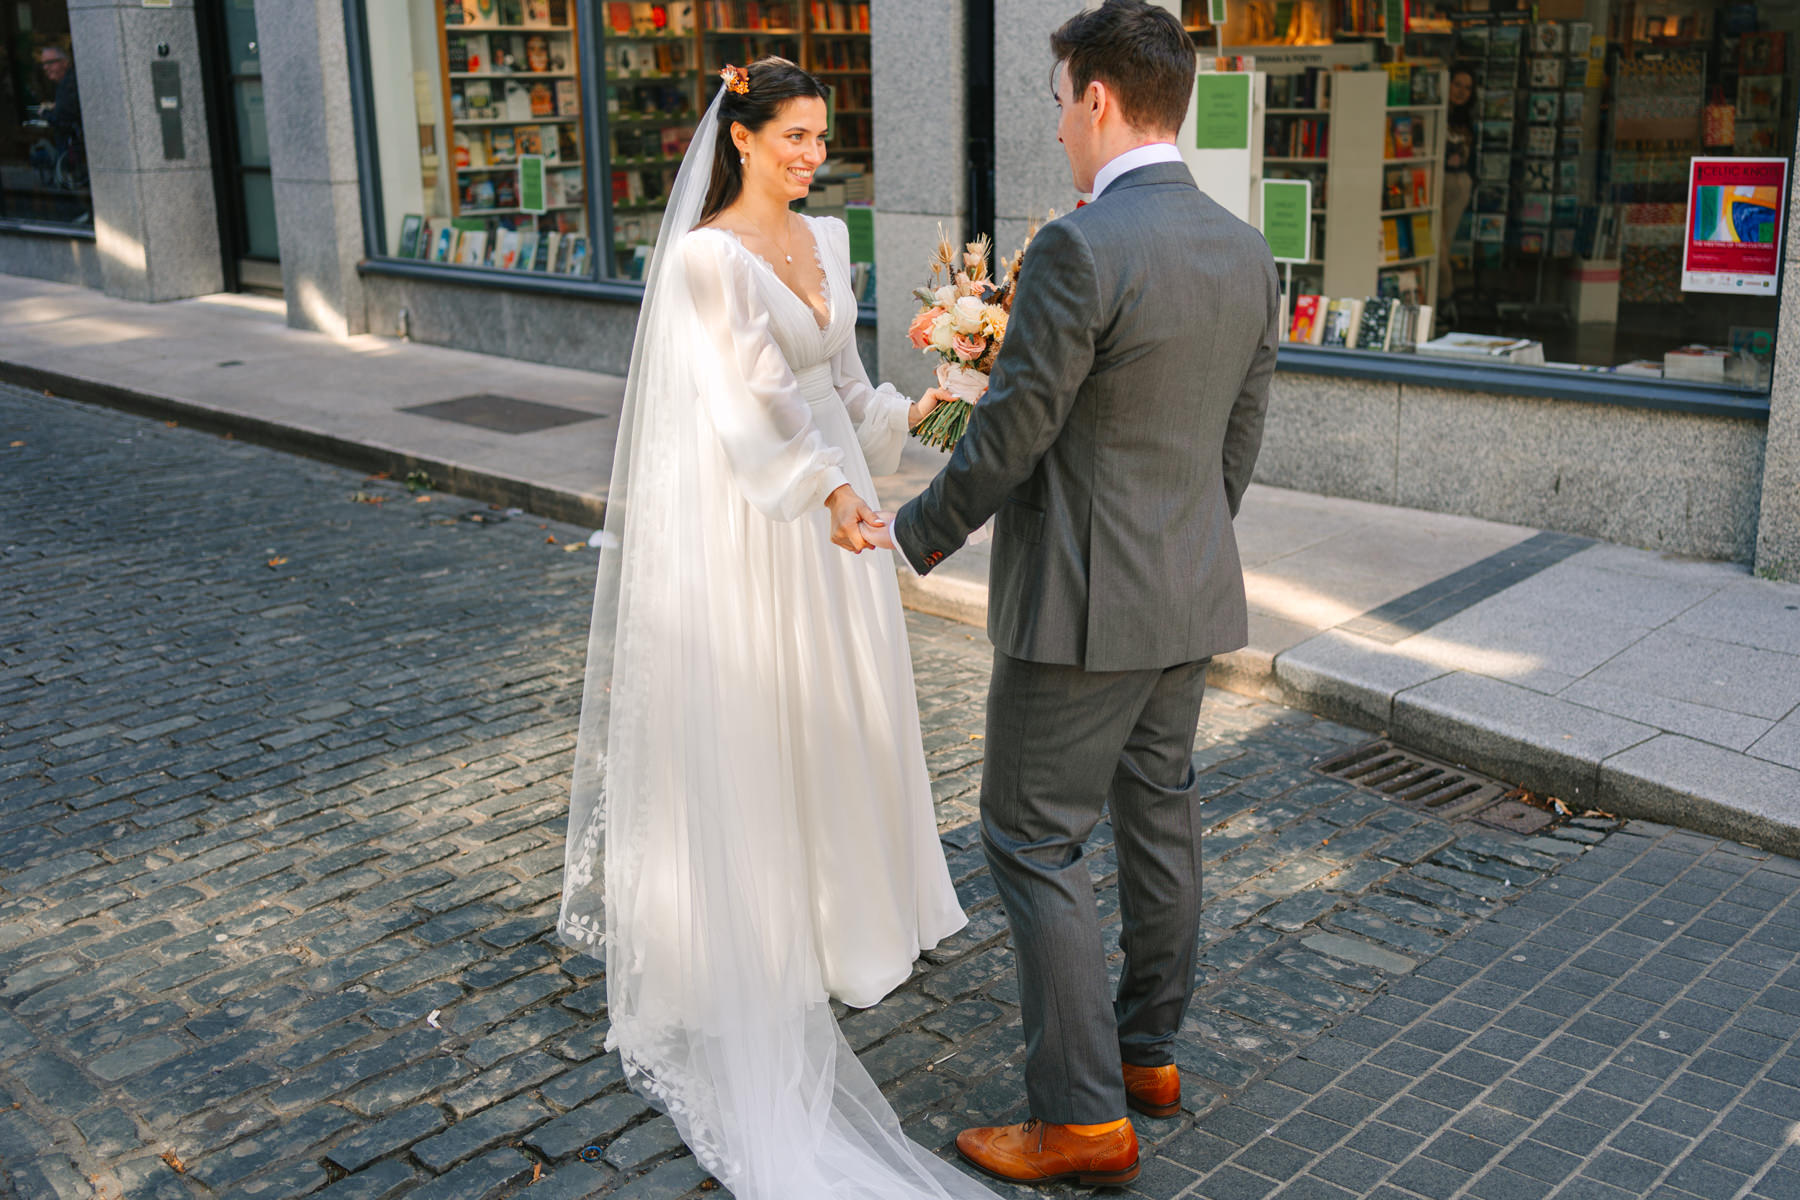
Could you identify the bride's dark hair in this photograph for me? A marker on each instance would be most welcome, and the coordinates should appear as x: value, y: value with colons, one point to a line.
x: 773, y: 82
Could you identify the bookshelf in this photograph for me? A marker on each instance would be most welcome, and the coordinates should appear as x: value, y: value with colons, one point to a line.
x: 511, y: 85
x: 661, y: 71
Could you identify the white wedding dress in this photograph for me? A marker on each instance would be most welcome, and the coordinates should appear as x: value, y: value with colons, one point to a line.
x: 751, y: 827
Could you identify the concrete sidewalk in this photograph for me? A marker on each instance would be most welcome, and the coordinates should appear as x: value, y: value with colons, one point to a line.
x: 1605, y: 676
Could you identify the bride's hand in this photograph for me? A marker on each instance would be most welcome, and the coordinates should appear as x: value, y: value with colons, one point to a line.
x: 848, y: 517
x: 924, y: 404
x: 880, y: 536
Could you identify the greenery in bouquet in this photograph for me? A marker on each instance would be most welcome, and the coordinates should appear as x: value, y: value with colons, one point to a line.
x: 962, y: 320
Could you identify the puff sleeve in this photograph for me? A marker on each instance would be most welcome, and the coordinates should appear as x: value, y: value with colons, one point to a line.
x: 779, y: 459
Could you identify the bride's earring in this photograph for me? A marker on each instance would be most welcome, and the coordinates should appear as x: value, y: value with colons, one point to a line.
x: 744, y: 159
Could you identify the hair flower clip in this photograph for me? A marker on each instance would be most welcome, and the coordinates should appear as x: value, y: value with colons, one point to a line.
x: 737, y: 79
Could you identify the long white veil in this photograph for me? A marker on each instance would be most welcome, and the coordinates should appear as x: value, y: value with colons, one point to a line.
x: 679, y: 870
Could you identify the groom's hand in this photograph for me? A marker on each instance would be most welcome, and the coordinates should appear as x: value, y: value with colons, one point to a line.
x: 849, y: 516
x: 879, y: 535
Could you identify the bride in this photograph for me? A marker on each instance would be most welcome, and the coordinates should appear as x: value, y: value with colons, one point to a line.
x: 749, y: 751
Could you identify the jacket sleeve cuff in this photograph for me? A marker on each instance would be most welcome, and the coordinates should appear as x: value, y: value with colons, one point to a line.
x: 906, y: 539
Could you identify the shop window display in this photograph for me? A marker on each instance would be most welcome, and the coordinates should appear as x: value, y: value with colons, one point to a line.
x: 43, y: 147
x: 1579, y: 177
x: 661, y: 71
x: 481, y: 133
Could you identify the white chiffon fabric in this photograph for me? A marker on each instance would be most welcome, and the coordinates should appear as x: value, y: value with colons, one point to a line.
x: 750, y: 826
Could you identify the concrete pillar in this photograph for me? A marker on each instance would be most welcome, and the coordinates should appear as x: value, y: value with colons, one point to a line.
x: 1778, y: 527
x: 312, y: 150
x: 921, y: 177
x: 156, y: 225
x: 1031, y: 173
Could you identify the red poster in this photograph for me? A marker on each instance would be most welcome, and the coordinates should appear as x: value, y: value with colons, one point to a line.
x: 1734, y: 218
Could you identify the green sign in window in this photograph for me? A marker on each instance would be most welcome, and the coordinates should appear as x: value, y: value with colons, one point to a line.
x: 1394, y: 18
x: 860, y: 220
x: 1215, y: 11
x: 1222, y: 110
x: 1287, y: 218
x: 531, y: 183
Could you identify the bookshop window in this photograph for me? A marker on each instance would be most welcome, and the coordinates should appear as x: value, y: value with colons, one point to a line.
x: 1600, y: 185
x: 477, y: 107
x: 661, y: 72
x: 43, y: 154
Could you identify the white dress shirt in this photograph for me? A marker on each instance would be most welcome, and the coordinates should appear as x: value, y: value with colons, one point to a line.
x: 1131, y: 160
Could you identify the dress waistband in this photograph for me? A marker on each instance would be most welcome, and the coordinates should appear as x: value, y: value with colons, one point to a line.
x: 815, y: 383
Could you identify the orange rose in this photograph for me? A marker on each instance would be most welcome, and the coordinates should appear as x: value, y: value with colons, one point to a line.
x: 919, y: 332
x: 969, y: 346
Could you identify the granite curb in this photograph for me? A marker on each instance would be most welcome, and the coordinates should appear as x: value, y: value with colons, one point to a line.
x: 1585, y: 757
x: 448, y: 475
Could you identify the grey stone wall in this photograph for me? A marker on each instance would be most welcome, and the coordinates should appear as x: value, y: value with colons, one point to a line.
x: 156, y: 223
x: 312, y: 153
x: 42, y: 256
x: 1677, y: 482
x: 921, y: 180
x: 1778, y: 532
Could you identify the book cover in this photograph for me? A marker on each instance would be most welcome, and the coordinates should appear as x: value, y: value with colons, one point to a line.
x: 1546, y: 72
x: 506, y: 248
x: 1400, y: 132
x: 525, y: 250
x: 1423, y: 245
x: 1306, y: 315
x: 502, y: 148
x: 1390, y: 238
x: 578, y: 254
x: 568, y: 98
x: 1421, y: 187
x: 1540, y: 139
x: 1336, y: 330
x: 1403, y: 227
x: 410, y: 226
x: 546, y: 251
x: 1372, y: 329
x: 517, y: 103
x: 1534, y: 208
x: 481, y: 12
x: 1545, y: 108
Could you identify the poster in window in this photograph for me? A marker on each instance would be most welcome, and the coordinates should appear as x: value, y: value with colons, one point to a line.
x: 1732, y: 241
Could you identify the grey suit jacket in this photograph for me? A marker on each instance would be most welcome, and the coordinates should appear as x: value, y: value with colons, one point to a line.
x: 1118, y: 434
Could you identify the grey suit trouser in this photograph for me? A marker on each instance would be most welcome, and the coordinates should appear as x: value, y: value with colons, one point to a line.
x: 1062, y: 743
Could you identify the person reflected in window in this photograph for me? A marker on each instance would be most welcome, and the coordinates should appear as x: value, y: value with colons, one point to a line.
x: 60, y: 160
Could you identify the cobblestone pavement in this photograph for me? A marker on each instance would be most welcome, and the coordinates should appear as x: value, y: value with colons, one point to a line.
x: 282, y: 765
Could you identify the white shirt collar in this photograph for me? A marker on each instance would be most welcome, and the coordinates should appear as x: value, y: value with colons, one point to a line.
x: 1131, y: 160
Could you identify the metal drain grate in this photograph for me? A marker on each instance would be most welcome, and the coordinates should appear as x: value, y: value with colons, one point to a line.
x: 1414, y: 779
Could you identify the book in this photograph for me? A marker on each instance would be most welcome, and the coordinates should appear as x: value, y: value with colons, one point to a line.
x: 1400, y: 136
x: 1306, y: 319
x: 1481, y: 347
x: 568, y: 98
x: 525, y: 250
x: 1422, y: 244
x: 1373, y: 328
x: 578, y: 254
x: 410, y: 226
x: 546, y: 251
x: 506, y: 248
x: 1341, y: 317
x: 1421, y: 187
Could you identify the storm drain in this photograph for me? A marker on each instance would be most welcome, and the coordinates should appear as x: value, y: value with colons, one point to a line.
x: 1415, y: 780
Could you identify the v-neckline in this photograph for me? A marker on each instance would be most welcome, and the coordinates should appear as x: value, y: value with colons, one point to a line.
x: 818, y: 255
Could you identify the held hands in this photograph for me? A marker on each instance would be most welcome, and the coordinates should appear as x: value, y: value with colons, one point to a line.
x: 879, y: 534
x: 851, y: 520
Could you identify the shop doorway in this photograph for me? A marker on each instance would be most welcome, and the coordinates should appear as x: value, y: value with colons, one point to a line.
x: 240, y: 137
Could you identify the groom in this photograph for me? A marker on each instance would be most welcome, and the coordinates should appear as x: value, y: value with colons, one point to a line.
x: 1115, y: 444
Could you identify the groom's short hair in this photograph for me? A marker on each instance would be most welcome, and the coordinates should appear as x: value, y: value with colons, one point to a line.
x: 1139, y: 51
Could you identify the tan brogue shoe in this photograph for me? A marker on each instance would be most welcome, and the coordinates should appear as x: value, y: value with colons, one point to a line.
x: 1153, y: 1091
x: 1038, y: 1152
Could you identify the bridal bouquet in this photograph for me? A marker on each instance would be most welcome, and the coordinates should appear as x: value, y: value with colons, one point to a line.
x: 962, y: 320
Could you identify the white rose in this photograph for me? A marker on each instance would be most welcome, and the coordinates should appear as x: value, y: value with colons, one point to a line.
x: 943, y: 335
x: 946, y: 296
x: 966, y: 316
x: 964, y: 383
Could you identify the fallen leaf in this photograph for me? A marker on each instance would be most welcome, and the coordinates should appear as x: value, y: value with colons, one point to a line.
x: 551, y: 539
x: 277, y: 561
x: 16, y: 445
x: 537, y: 1172
x: 421, y: 499
x: 571, y: 546
x: 367, y: 498
x: 172, y: 424
x: 377, y: 475
x: 168, y: 1156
